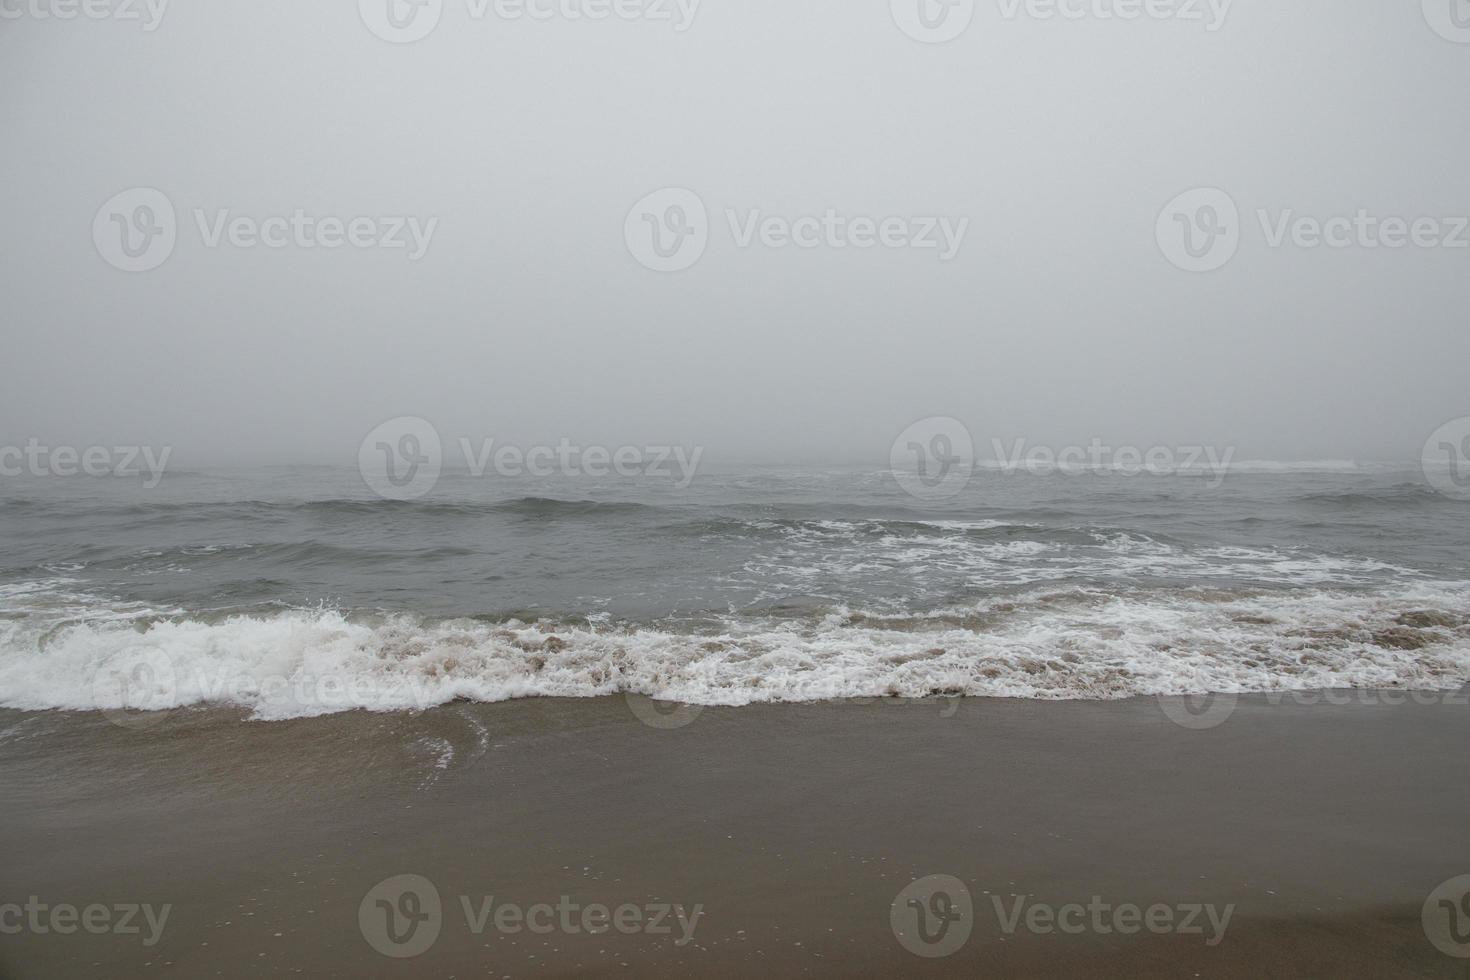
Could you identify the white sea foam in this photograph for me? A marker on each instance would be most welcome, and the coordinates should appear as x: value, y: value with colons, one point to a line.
x: 936, y: 556
x: 1063, y: 644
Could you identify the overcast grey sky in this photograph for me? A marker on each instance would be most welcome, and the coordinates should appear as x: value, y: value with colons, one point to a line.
x: 530, y: 318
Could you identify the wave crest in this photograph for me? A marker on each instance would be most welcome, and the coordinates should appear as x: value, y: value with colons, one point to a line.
x: 1074, y: 644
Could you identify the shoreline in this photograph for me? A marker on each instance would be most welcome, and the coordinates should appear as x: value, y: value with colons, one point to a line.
x: 794, y: 828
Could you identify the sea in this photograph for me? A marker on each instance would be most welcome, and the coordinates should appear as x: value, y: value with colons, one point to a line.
x: 294, y: 592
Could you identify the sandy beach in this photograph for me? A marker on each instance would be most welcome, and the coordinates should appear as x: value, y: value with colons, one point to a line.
x: 775, y: 838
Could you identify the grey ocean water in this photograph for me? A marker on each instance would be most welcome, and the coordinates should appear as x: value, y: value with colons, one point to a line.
x: 296, y: 591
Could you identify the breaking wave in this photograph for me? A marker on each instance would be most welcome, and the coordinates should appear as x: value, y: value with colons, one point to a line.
x: 1065, y: 643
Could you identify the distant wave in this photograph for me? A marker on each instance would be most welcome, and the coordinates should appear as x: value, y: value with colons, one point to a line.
x: 1401, y: 493
x: 783, y: 556
x: 551, y: 507
x: 1306, y: 465
x: 1203, y: 464
x: 144, y: 513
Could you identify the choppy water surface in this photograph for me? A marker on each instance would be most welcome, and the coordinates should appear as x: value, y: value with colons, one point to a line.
x: 296, y: 591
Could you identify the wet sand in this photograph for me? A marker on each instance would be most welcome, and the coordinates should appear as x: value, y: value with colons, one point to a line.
x: 794, y: 827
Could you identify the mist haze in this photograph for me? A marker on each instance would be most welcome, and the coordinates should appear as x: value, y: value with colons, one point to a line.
x: 527, y: 319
